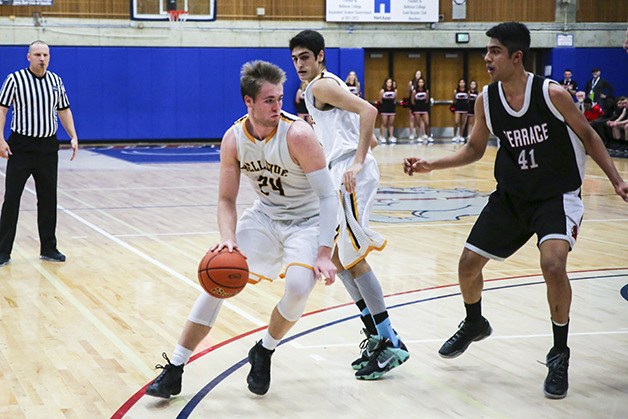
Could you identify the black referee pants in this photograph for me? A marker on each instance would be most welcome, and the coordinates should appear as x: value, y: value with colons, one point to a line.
x: 37, y: 157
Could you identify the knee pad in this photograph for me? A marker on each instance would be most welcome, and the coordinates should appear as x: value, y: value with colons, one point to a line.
x: 205, y: 310
x: 299, y: 283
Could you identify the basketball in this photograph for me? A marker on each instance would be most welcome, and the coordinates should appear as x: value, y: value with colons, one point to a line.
x: 223, y: 274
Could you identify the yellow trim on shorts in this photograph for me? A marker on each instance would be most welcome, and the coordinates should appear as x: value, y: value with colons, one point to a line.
x: 257, y: 278
x: 303, y: 265
x: 354, y: 206
x: 369, y: 250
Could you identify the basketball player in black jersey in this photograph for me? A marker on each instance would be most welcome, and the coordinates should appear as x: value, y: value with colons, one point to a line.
x: 539, y: 169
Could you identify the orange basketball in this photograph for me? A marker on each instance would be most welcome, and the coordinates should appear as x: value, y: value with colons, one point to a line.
x: 223, y: 274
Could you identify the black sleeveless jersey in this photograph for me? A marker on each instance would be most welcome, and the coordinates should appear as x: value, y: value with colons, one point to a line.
x: 539, y: 156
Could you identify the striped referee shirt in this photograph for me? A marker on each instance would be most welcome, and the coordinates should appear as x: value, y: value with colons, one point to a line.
x: 35, y: 101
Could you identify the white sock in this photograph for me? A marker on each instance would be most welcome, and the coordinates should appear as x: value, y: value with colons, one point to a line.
x: 180, y: 355
x: 269, y: 342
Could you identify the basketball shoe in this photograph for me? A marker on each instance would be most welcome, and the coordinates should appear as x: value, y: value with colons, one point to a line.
x: 467, y: 333
x: 368, y: 346
x: 259, y: 377
x: 52, y: 256
x: 385, y: 357
x: 4, y: 260
x: 556, y: 385
x: 168, y: 383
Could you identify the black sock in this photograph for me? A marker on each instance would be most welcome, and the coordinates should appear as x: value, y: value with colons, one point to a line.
x: 474, y: 311
x: 560, y: 336
x: 367, y: 319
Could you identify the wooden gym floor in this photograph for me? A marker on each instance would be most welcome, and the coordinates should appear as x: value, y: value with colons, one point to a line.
x: 80, y: 339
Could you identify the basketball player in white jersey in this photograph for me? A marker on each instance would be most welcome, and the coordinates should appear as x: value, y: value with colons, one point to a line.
x: 344, y: 124
x: 543, y: 143
x: 282, y: 158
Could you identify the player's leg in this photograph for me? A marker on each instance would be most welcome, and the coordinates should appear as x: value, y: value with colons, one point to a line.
x: 496, y: 234
x: 199, y: 323
x: 299, y: 283
x: 389, y: 351
x: 355, y: 241
x: 296, y: 245
x: 554, y: 267
x: 557, y: 222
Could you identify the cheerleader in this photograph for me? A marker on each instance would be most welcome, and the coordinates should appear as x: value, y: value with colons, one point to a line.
x: 420, y: 99
x: 387, y: 112
x: 461, y: 101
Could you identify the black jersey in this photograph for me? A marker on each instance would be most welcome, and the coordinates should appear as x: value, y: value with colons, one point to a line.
x: 539, y: 156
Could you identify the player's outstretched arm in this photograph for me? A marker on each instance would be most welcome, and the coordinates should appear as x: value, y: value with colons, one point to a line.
x: 593, y: 144
x: 472, y: 151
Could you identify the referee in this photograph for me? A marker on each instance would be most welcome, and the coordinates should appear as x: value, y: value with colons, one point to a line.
x: 37, y: 97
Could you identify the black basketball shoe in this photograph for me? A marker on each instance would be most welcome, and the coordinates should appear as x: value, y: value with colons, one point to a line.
x: 52, y: 256
x: 168, y: 383
x: 467, y: 333
x: 556, y: 385
x: 259, y: 376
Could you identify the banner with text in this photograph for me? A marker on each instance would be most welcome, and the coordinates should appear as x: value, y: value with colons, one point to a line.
x: 381, y: 11
x: 26, y: 2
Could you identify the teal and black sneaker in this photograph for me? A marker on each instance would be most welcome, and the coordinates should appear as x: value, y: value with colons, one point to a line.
x: 385, y: 357
x: 367, y: 346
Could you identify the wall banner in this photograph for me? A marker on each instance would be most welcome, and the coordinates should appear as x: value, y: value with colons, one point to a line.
x: 381, y: 10
x: 26, y: 2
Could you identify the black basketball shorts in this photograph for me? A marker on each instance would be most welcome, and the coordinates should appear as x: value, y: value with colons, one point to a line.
x: 507, y: 222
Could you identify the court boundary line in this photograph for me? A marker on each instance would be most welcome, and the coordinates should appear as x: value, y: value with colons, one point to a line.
x: 128, y: 405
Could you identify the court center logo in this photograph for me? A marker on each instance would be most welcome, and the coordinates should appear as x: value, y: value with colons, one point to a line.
x: 411, y: 205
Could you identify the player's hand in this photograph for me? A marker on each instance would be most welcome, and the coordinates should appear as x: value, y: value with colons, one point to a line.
x: 622, y: 190
x: 348, y: 178
x: 230, y: 245
x: 416, y: 165
x: 323, y: 266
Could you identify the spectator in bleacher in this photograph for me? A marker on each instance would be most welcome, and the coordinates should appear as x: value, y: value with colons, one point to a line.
x: 592, y: 111
x: 617, y: 125
x: 387, y: 110
x: 568, y: 83
x: 580, y: 95
x: 611, y: 114
x: 598, y: 89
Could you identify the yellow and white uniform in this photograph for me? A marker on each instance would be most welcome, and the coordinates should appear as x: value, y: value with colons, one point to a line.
x: 281, y: 228
x: 339, y: 133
